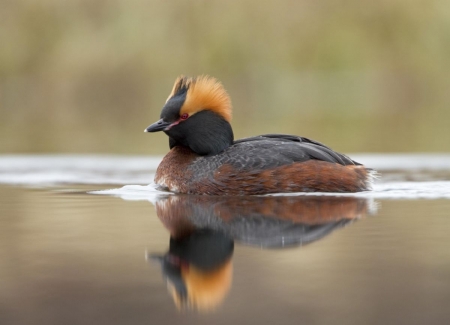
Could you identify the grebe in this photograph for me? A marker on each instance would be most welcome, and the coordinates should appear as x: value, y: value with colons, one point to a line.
x: 205, y: 159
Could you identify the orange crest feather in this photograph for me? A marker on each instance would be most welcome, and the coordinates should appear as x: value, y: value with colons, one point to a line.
x: 203, y: 93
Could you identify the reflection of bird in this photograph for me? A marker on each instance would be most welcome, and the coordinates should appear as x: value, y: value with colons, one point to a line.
x: 205, y: 159
x: 198, y: 269
x: 198, y: 266
x: 267, y: 221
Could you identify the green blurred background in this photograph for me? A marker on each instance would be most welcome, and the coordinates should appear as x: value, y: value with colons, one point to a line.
x: 87, y: 76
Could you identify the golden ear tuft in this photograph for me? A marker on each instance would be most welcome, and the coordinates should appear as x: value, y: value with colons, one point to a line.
x: 203, y: 93
x: 180, y: 86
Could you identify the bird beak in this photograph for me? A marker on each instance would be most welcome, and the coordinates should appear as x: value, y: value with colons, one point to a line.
x: 159, y: 259
x: 158, y: 126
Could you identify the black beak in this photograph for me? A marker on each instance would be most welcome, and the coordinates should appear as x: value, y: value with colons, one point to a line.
x: 155, y: 258
x: 157, y: 126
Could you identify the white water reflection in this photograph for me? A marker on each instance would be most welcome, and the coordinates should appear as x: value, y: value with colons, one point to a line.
x: 48, y: 170
x: 394, y: 191
x: 403, y: 176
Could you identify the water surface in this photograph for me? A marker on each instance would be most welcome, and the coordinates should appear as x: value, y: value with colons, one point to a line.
x: 85, y: 240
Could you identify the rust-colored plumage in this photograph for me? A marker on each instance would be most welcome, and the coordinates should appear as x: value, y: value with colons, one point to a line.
x: 205, y: 158
x: 181, y: 212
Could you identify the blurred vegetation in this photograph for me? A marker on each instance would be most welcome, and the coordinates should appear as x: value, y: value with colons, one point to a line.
x: 88, y: 76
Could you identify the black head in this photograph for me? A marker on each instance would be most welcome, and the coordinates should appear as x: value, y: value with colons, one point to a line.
x: 197, y: 115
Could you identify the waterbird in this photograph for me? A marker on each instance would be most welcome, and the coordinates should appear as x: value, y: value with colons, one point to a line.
x: 204, y: 158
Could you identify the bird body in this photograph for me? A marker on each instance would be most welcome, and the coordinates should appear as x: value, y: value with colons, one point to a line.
x: 205, y: 159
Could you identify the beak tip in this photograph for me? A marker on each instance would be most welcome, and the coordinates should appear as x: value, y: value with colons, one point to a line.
x: 160, y: 125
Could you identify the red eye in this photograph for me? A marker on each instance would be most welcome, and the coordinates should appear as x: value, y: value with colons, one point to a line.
x: 184, y: 116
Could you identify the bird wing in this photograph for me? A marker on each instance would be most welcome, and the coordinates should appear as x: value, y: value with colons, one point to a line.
x: 273, y: 150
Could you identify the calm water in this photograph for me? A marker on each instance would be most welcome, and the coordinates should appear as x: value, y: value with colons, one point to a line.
x: 77, y: 246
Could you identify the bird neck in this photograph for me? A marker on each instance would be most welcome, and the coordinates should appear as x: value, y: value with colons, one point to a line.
x: 206, y: 133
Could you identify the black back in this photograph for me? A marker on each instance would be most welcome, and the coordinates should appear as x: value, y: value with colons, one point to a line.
x: 294, y: 148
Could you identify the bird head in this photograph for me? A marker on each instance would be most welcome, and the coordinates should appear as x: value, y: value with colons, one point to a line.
x: 197, y: 115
